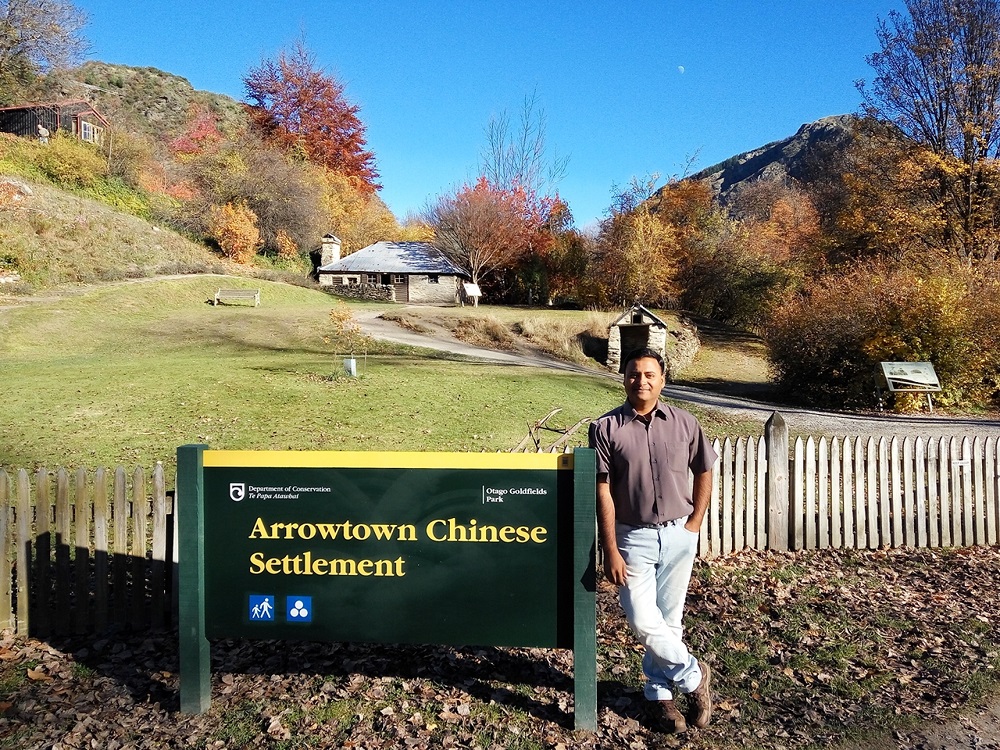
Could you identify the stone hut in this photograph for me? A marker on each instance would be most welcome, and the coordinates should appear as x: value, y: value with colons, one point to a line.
x: 634, y: 329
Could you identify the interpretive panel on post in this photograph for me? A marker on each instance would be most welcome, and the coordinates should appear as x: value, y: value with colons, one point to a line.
x: 444, y: 548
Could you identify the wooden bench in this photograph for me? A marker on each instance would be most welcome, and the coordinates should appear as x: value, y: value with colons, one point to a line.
x: 235, y: 294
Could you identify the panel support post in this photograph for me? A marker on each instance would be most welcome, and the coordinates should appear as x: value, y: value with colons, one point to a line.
x: 584, y: 589
x: 195, y: 656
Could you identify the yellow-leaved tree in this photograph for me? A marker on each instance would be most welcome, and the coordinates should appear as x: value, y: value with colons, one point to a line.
x: 234, y: 228
x: 357, y: 217
x: 638, y: 251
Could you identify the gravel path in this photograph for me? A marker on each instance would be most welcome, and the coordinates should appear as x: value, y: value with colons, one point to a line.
x: 800, y: 421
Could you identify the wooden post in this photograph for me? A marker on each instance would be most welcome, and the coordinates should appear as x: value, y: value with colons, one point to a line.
x: 119, y: 560
x: 82, y: 506
x: 43, y: 553
x: 991, y: 491
x: 160, y: 604
x: 585, y: 589
x: 101, y: 549
x: 62, y: 623
x: 778, y: 522
x: 138, y: 618
x: 24, y: 552
x: 195, y: 655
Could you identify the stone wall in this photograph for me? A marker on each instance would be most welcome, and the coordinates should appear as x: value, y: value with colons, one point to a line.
x: 443, y: 291
x: 370, y: 292
x: 682, y: 346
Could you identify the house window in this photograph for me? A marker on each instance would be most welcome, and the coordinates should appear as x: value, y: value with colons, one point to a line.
x: 89, y: 133
x: 432, y: 278
x: 372, y: 278
x: 399, y: 278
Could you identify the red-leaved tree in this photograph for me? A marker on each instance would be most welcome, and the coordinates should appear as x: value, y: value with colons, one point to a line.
x: 201, y: 131
x: 302, y: 107
x: 485, y: 228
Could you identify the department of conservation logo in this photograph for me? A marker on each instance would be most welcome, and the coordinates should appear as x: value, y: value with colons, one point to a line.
x: 237, y: 491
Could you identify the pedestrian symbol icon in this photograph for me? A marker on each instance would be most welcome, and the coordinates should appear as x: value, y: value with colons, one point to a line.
x: 300, y: 609
x: 262, y: 608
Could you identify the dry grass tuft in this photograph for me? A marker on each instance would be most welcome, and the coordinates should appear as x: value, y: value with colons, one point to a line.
x: 488, y: 331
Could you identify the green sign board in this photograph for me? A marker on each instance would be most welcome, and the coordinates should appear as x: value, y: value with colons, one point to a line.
x: 437, y: 548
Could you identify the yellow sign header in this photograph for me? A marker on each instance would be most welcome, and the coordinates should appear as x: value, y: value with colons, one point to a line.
x: 387, y: 460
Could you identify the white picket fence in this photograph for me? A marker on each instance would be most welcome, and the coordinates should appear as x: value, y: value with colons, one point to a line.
x: 853, y: 493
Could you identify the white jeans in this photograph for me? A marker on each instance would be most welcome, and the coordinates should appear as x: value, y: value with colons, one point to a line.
x: 659, y: 562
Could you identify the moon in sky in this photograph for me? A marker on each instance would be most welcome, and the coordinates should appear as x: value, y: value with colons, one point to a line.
x: 680, y: 68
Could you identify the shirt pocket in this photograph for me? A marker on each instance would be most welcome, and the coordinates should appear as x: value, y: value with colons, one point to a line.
x: 677, y: 457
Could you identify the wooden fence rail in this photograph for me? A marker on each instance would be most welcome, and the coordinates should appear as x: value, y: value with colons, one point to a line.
x: 81, y: 553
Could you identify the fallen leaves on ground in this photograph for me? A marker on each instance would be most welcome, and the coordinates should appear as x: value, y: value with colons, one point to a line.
x: 807, y: 649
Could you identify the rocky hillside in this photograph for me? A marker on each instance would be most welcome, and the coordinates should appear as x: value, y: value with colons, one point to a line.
x: 800, y: 157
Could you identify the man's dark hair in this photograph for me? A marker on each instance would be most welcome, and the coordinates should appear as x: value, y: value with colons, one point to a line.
x: 643, y: 353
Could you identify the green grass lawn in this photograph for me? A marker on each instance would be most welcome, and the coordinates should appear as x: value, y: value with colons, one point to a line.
x: 123, y: 374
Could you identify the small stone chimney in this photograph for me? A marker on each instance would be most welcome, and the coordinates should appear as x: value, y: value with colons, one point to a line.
x: 330, y: 252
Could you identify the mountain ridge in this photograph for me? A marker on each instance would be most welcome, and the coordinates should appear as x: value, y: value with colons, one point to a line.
x: 800, y: 157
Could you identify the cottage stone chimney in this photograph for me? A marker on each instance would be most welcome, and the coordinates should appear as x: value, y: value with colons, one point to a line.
x: 330, y: 252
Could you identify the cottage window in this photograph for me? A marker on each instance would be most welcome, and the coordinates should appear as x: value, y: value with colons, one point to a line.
x: 372, y: 278
x: 89, y: 133
x: 432, y: 278
x: 399, y: 278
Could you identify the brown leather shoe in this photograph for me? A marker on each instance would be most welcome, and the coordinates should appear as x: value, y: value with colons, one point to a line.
x: 669, y: 717
x: 700, y: 701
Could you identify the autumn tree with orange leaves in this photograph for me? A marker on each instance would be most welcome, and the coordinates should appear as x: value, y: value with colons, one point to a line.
x: 484, y: 228
x: 301, y: 107
x: 502, y: 227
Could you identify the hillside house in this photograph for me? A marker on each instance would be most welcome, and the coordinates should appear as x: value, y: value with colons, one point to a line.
x: 35, y: 120
x: 394, y: 271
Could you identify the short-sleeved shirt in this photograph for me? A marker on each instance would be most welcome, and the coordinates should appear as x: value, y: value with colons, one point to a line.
x: 647, y: 463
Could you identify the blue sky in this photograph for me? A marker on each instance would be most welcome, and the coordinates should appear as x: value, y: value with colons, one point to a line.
x: 628, y: 89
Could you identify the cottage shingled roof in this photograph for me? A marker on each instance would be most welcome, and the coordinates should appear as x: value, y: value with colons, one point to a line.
x: 395, y: 257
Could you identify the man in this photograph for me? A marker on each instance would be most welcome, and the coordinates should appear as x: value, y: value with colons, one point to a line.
x: 648, y: 518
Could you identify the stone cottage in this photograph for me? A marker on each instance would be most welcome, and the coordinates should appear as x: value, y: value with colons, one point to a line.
x: 393, y: 271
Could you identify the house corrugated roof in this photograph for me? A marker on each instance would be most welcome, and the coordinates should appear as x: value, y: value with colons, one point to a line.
x: 395, y: 257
